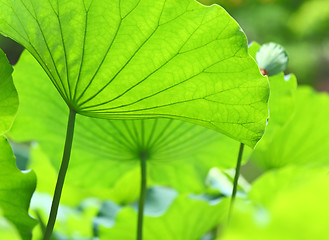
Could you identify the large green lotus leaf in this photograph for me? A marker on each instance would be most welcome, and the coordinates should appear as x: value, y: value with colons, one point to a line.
x: 8, y: 94
x: 180, y: 154
x: 16, y: 190
x: 141, y: 58
x: 186, y: 218
x: 288, y: 204
x: 304, y: 139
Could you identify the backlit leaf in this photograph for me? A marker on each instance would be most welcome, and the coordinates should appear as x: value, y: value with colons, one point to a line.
x: 121, y: 59
x: 179, y: 154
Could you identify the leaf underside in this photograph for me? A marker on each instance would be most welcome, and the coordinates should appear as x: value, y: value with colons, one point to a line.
x: 179, y: 154
x: 144, y: 59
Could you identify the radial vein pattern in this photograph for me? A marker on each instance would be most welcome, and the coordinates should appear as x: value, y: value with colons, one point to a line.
x: 141, y: 58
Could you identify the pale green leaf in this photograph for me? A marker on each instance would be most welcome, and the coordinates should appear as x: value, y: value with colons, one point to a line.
x: 8, y: 94
x: 16, y: 189
x: 282, y: 108
x: 121, y: 59
x: 8, y: 231
x: 304, y: 139
x: 288, y: 204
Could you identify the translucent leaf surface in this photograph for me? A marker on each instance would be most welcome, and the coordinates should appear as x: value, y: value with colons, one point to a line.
x: 142, y: 59
x: 179, y: 153
x: 8, y: 95
x: 16, y: 189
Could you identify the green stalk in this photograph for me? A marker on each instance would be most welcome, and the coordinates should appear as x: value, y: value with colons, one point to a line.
x: 236, y: 179
x: 142, y: 196
x: 41, y: 223
x: 61, y: 175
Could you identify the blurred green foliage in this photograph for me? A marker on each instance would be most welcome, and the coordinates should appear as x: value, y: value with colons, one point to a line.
x: 301, y: 26
x: 287, y: 204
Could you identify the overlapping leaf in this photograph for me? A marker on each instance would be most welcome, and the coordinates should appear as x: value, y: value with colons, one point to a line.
x: 179, y: 154
x: 8, y: 95
x: 143, y: 58
x: 282, y: 108
x: 16, y: 188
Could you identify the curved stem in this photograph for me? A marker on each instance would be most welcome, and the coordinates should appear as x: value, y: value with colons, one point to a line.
x: 61, y: 175
x: 142, y: 196
x: 236, y: 178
